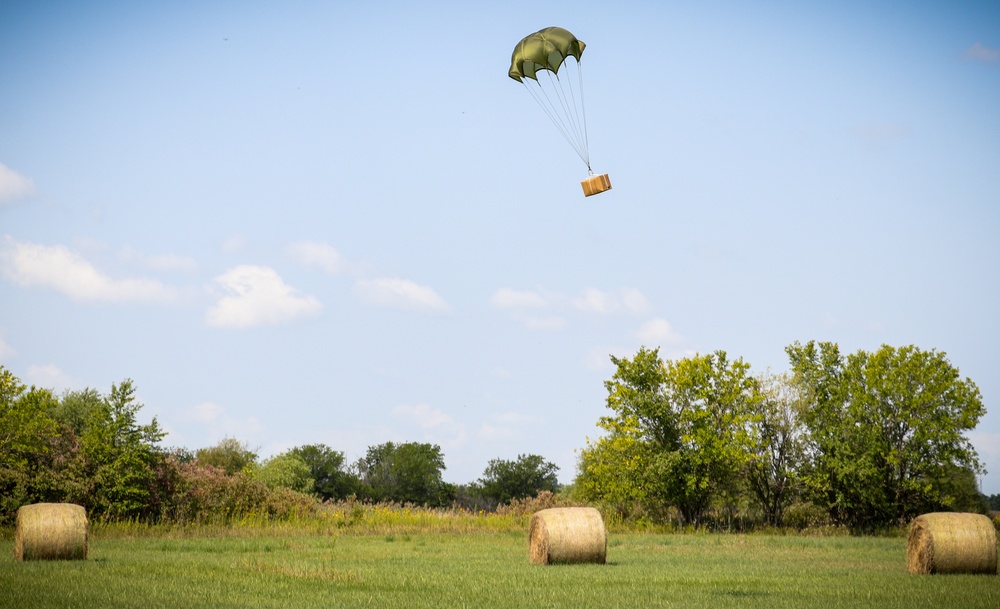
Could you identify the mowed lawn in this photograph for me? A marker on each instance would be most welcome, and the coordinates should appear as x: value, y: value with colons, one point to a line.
x: 488, y: 570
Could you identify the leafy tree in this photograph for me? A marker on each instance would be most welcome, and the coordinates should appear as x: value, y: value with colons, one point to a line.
x: 287, y: 470
x: 777, y: 446
x: 408, y: 473
x: 613, y: 469
x: 690, y: 419
x: 75, y: 408
x: 326, y: 466
x: 994, y: 502
x: 885, y: 428
x: 505, y: 480
x: 230, y: 455
x: 27, y: 433
x: 121, y: 456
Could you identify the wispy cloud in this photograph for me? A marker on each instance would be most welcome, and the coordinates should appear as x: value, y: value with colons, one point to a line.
x: 626, y: 300
x: 216, y: 423
x: 49, y: 376
x: 161, y: 263
x: 317, y: 255
x: 14, y: 186
x: 258, y: 296
x: 983, y: 53
x: 6, y: 351
x: 61, y: 269
x: 506, y: 298
x: 437, y: 426
x: 423, y: 415
x: 658, y: 332
x: 400, y: 294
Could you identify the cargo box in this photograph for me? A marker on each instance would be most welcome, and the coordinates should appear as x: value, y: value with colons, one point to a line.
x: 596, y: 184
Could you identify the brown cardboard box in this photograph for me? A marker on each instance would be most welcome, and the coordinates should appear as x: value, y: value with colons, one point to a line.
x: 596, y: 184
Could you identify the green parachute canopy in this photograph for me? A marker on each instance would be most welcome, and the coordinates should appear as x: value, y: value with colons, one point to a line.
x: 544, y: 50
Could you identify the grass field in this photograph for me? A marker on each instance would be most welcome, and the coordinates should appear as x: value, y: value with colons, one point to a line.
x: 485, y: 569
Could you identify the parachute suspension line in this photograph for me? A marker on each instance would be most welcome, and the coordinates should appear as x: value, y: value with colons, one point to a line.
x: 583, y: 112
x: 565, y: 111
x: 572, y: 112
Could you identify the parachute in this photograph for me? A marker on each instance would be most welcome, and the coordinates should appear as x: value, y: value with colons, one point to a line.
x: 535, y: 63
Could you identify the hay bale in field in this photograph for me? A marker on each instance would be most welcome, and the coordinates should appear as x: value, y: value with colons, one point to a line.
x: 51, y: 531
x: 567, y: 535
x: 950, y: 542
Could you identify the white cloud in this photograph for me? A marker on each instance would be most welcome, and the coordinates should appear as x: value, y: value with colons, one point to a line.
x: 6, y: 351
x: 49, y: 376
x: 495, y: 432
x: 14, y: 186
x: 59, y: 268
x: 214, y: 424
x: 164, y: 263
x: 626, y: 300
x: 506, y: 298
x: 318, y: 255
x: 423, y: 415
x: 400, y: 294
x: 658, y: 332
x: 206, y: 412
x: 981, y: 52
x: 234, y: 244
x: 258, y: 296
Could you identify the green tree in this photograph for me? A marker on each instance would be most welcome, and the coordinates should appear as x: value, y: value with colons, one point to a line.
x: 75, y: 408
x: 410, y: 472
x: 777, y: 445
x: 27, y: 435
x: 326, y: 466
x: 230, y: 455
x: 121, y: 456
x: 613, y: 470
x: 525, y: 477
x: 690, y: 417
x: 287, y: 470
x: 884, y: 429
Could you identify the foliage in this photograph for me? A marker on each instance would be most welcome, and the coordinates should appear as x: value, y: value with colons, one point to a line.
x: 410, y: 472
x: 230, y: 455
x: 75, y: 408
x: 994, y: 502
x: 287, y: 470
x: 326, y: 467
x: 885, y: 428
x: 121, y: 456
x: 26, y: 429
x: 505, y: 480
x: 613, y: 468
x: 777, y: 446
x: 688, y: 421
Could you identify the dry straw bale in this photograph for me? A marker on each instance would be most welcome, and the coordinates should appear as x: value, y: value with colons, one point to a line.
x: 51, y: 531
x: 567, y: 535
x: 949, y: 542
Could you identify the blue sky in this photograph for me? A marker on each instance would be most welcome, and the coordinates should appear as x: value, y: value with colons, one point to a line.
x: 342, y: 223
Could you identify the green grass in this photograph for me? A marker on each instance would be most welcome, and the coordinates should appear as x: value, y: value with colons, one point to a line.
x: 484, y: 569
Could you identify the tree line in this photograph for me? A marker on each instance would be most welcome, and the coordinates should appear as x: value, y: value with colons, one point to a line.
x: 90, y: 449
x: 866, y: 440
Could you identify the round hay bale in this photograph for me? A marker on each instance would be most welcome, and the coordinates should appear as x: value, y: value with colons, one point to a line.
x: 567, y: 535
x: 51, y: 531
x: 951, y: 542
